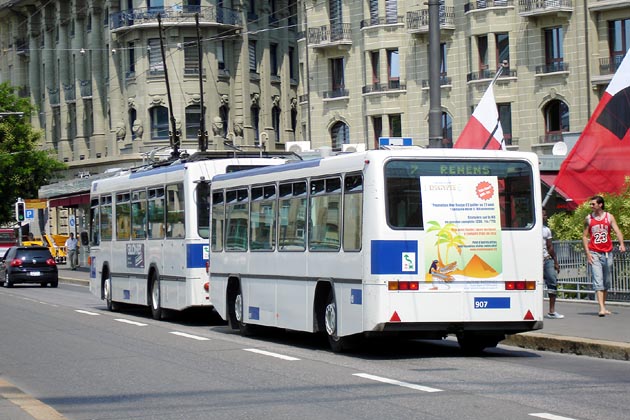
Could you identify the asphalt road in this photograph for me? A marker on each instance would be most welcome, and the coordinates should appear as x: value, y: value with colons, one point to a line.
x: 63, y: 348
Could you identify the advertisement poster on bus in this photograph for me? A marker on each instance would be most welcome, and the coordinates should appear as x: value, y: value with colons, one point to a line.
x: 462, y: 223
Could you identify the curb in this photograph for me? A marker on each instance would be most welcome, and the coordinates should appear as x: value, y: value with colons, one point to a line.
x: 574, y: 345
x: 74, y: 281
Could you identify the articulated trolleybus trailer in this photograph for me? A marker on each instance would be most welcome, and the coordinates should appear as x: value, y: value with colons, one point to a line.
x: 417, y: 242
x: 149, y: 232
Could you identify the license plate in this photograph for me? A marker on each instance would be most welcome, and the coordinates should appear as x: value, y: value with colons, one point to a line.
x: 35, y: 273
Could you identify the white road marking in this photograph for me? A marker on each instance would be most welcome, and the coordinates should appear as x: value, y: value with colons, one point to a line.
x: 128, y: 321
x: 194, y: 337
x: 395, y: 382
x: 268, y: 353
x: 85, y: 312
x: 550, y: 416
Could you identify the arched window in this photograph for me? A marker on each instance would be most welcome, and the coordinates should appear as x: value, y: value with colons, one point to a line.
x: 255, y: 110
x: 340, y: 134
x: 193, y: 118
x: 159, y: 122
x: 556, y: 120
x: 447, y: 130
x: 224, y: 113
x: 275, y: 121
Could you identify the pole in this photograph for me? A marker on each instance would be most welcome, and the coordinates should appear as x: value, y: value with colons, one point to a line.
x: 202, y: 136
x: 435, y: 94
x: 174, y: 134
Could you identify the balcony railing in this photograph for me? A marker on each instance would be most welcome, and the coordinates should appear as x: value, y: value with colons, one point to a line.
x: 487, y: 4
x: 177, y: 14
x: 609, y: 65
x: 303, y: 98
x: 391, y: 86
x: 552, y: 137
x: 418, y: 21
x: 69, y: 92
x: 336, y: 93
x: 444, y: 81
x: 86, y: 88
x: 327, y: 34
x: 53, y: 97
x: 552, y: 68
x: 544, y: 7
x: 489, y: 74
x: 382, y: 20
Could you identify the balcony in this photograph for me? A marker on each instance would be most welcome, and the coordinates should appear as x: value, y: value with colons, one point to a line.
x: 21, y: 47
x: 303, y: 99
x: 335, y: 36
x: 445, y: 81
x: 418, y: 21
x: 551, y: 137
x: 391, y: 86
x: 487, y: 4
x: 534, y: 8
x: 552, y: 68
x: 601, y: 5
x: 607, y: 68
x: 486, y: 75
x: 69, y: 93
x: 175, y: 15
x: 339, y: 93
x: 53, y: 97
x: 86, y: 89
x: 382, y: 21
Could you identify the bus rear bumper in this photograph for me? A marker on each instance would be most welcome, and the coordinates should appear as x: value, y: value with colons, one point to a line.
x: 435, y: 329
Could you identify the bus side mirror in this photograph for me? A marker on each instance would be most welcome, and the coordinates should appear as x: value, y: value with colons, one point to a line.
x: 85, y: 240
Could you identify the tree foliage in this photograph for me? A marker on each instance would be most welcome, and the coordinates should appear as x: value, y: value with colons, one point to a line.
x: 24, y: 166
x: 570, y: 226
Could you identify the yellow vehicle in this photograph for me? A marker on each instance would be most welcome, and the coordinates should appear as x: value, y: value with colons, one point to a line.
x: 55, y: 243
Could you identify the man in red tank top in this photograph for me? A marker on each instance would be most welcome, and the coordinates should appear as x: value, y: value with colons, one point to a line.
x: 598, y: 246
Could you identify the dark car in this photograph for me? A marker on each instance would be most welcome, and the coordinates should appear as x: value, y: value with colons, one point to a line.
x: 28, y: 264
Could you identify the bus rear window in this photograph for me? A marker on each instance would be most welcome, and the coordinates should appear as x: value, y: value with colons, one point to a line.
x: 404, y: 196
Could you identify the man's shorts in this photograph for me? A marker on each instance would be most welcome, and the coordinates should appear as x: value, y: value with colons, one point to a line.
x: 601, y: 270
x: 550, y: 276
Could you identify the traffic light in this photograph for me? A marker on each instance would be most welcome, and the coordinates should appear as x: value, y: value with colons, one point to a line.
x: 19, y: 211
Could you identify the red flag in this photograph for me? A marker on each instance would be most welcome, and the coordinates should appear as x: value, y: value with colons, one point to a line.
x: 599, y: 160
x: 483, y: 130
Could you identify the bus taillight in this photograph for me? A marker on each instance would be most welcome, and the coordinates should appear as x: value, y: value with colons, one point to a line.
x: 206, y: 287
x: 520, y: 285
x: 403, y: 285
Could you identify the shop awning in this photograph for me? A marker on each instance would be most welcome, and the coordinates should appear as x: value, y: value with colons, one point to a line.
x: 70, y: 201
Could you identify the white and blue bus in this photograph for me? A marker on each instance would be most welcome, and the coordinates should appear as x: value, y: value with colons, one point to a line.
x: 149, y: 232
x: 418, y: 242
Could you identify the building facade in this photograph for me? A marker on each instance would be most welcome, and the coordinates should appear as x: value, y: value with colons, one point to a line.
x: 328, y: 73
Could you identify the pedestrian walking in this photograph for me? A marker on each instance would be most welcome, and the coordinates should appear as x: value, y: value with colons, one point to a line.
x: 598, y: 246
x: 72, y: 248
x: 551, y: 269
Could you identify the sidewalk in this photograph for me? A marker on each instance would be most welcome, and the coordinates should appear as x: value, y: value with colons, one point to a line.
x: 581, y: 331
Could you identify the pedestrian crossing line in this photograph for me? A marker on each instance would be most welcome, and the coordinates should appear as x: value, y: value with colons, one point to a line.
x: 395, y: 382
x: 550, y: 416
x: 128, y: 321
x: 194, y: 337
x: 81, y: 311
x: 276, y: 355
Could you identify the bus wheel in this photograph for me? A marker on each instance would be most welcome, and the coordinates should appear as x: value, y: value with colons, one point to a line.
x: 107, y: 292
x: 474, y: 344
x: 154, y: 297
x: 337, y: 344
x: 237, y: 310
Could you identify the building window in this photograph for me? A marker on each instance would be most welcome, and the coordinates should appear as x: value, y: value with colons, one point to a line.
x: 443, y: 66
x: 373, y: 12
x: 447, y: 131
x: 251, y: 11
x: 191, y: 56
x: 155, y: 5
x: 294, y: 114
x: 156, y: 65
x: 391, y: 11
x: 159, y: 122
x: 618, y: 41
x: 336, y: 73
x: 395, y: 125
x: 374, y: 61
x: 192, y: 6
x: 275, y: 122
x: 193, y: 121
x: 556, y: 120
x: 224, y: 113
x: 273, y: 56
x: 340, y: 135
x: 292, y: 74
x: 132, y: 119
x: 482, y: 49
x: 253, y: 63
x: 554, y: 54
x: 393, y: 69
x: 377, y: 125
x: 503, y: 48
x: 505, y: 118
x: 255, y: 111
x: 220, y: 54
x: 131, y: 58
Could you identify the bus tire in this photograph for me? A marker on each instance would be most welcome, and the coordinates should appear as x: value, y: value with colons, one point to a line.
x: 155, y: 298
x: 336, y: 343
x: 237, y: 314
x: 474, y: 344
x: 107, y: 294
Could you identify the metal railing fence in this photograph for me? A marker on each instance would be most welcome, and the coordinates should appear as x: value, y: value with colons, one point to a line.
x: 574, y: 279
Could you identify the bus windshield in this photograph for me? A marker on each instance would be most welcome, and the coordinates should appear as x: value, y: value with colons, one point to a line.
x: 404, y: 195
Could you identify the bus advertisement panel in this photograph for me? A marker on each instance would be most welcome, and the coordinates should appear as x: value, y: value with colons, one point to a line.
x: 419, y: 242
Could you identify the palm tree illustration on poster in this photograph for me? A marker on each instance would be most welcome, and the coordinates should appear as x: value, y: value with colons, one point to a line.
x: 462, y: 247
